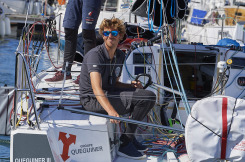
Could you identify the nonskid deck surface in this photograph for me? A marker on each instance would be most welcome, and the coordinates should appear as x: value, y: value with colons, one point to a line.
x: 53, y: 90
x: 51, y: 95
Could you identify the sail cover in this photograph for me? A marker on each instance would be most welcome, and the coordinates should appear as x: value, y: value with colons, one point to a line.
x: 215, y: 130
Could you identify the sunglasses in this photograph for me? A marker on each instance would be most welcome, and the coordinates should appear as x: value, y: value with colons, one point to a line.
x: 113, y: 33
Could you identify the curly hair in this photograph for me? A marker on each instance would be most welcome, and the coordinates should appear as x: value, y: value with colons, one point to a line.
x: 114, y: 23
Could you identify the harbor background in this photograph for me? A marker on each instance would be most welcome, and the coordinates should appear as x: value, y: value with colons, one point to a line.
x: 8, y: 46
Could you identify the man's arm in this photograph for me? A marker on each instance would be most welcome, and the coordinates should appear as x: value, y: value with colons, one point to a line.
x: 134, y: 84
x: 96, y: 83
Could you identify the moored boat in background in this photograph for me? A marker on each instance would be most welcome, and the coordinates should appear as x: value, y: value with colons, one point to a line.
x: 210, y: 21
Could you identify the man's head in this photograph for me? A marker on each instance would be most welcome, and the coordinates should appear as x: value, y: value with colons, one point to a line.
x: 112, y: 30
x: 113, y: 23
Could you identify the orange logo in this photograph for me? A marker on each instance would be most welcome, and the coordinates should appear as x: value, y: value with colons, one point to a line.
x: 66, y: 144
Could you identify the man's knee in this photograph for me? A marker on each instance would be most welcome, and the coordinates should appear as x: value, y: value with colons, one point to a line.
x: 152, y: 97
x: 71, y: 34
x: 147, y: 94
x: 146, y: 97
x: 89, y: 40
x: 89, y: 34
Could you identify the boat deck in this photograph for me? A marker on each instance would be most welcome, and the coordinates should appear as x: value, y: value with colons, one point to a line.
x: 88, y: 129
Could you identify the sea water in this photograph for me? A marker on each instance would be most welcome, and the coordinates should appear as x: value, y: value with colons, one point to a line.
x: 8, y: 48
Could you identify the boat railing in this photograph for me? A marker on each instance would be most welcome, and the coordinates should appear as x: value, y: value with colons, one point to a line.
x: 58, y: 55
x: 30, y: 89
x: 126, y: 120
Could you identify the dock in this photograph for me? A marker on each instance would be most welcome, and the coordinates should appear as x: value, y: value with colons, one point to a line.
x: 17, y: 22
x: 21, y: 18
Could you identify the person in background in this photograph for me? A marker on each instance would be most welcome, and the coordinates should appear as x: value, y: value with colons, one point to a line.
x: 102, y: 92
x: 77, y: 11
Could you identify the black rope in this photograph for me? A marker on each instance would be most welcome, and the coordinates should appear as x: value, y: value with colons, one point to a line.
x: 211, y: 129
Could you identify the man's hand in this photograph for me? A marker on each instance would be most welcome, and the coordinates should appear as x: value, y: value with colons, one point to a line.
x: 114, y: 113
x: 96, y: 83
x: 136, y: 84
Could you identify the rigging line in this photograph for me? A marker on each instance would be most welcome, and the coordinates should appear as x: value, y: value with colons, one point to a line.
x: 205, y: 126
x: 148, y: 62
x: 172, y: 11
x: 187, y: 63
x: 227, y: 50
x: 216, y: 85
x: 126, y: 11
x: 183, y: 96
x: 165, y: 15
x: 47, y: 48
x: 113, y: 95
x: 204, y: 36
x: 96, y: 130
x: 28, y: 71
x: 21, y: 110
x: 235, y: 78
x: 216, y: 91
x: 169, y: 74
x: 67, y: 100
x: 48, y: 115
x: 138, y: 98
x: 165, y: 61
x: 73, y: 94
x: 158, y: 121
x: 27, y: 12
x: 210, y: 128
x: 235, y: 52
x: 122, y: 119
x: 57, y: 90
x: 45, y: 40
x: 29, y: 40
x: 241, y: 93
x: 38, y: 52
x: 236, y: 65
x: 29, y: 61
x: 53, y: 88
x: 162, y: 134
x: 170, y: 60
x: 233, y: 110
x: 28, y: 114
x: 78, y: 105
x: 177, y: 83
x: 129, y: 74
x: 159, y: 130
x: 219, y: 80
x: 27, y: 53
x: 150, y: 24
x: 56, y: 101
x: 155, y: 67
x: 179, y: 23
x: 118, y: 96
x: 55, y: 104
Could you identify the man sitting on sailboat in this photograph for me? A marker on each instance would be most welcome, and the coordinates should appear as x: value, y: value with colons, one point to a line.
x: 102, y: 92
